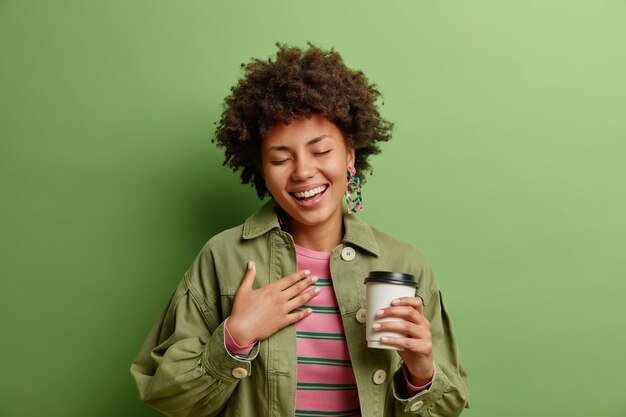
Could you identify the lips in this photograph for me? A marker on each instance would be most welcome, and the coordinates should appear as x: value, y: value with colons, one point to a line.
x: 310, y: 196
x: 310, y: 192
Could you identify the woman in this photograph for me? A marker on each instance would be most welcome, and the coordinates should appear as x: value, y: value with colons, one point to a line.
x: 289, y: 337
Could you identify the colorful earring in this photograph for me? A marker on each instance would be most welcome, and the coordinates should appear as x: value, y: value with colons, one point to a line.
x: 354, y: 199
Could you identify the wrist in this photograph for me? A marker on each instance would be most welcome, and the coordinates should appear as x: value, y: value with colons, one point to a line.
x: 237, y: 333
x: 423, y: 377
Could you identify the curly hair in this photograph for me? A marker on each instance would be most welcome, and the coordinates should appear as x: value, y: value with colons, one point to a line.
x: 297, y: 84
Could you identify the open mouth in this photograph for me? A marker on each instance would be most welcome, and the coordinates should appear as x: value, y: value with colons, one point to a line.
x: 310, y: 195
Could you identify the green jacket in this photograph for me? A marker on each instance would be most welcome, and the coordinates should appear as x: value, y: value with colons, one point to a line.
x: 184, y: 369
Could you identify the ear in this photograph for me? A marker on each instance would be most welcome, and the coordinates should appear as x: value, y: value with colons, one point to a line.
x: 350, y: 156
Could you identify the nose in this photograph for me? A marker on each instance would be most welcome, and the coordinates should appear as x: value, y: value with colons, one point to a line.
x: 303, y: 169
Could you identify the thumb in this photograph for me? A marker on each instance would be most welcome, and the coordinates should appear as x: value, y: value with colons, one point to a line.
x: 248, y: 278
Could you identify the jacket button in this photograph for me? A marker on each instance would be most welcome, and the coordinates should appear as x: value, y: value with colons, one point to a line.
x: 348, y: 254
x: 379, y: 377
x: 361, y: 316
x: 416, y: 405
x: 239, y: 373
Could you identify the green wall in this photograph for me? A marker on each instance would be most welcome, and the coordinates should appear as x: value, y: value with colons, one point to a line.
x: 509, y: 160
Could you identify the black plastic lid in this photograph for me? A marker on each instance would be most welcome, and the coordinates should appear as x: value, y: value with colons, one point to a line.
x: 391, y: 278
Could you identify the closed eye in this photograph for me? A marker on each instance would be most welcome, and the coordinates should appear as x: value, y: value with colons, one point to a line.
x: 321, y: 153
x: 279, y: 162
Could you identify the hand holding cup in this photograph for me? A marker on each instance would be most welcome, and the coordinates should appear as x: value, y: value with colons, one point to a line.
x: 395, y: 320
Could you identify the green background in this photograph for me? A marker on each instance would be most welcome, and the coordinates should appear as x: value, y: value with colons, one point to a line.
x: 508, y: 160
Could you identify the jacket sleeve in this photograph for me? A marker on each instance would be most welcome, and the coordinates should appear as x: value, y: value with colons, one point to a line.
x: 183, y: 367
x: 449, y: 393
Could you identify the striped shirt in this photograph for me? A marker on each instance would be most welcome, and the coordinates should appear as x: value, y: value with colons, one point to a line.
x: 326, y: 385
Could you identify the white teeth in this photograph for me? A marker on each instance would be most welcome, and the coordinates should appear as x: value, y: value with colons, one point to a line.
x: 310, y: 193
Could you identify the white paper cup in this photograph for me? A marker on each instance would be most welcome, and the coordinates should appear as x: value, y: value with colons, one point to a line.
x: 382, y: 287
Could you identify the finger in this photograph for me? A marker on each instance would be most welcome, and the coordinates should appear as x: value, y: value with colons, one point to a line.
x: 404, y: 327
x: 414, y: 302
x: 403, y: 312
x: 299, y: 287
x: 248, y: 278
x: 291, y: 279
x: 298, y: 315
x: 419, y: 347
x: 303, y: 298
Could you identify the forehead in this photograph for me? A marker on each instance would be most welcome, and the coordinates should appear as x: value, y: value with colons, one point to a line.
x: 300, y: 131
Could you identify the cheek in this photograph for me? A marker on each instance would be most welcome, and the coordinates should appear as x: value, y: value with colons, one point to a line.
x: 271, y: 186
x: 272, y: 174
x: 338, y: 177
x: 341, y: 172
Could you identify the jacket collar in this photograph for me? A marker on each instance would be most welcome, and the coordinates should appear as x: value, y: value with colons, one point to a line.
x: 265, y: 219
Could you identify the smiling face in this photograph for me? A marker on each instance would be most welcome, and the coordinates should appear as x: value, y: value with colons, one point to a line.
x: 304, y: 164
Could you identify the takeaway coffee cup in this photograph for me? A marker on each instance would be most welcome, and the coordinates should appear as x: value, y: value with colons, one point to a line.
x: 382, y: 287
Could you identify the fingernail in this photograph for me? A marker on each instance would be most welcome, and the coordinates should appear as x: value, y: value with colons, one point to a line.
x: 316, y: 290
x: 376, y: 326
x: 250, y: 264
x: 307, y: 272
x: 309, y: 310
x: 395, y: 302
x: 384, y: 339
x: 314, y: 279
x: 380, y: 312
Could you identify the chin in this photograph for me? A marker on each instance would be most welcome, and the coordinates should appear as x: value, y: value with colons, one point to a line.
x: 314, y: 217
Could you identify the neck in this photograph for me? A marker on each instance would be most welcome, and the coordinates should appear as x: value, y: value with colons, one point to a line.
x: 322, y: 237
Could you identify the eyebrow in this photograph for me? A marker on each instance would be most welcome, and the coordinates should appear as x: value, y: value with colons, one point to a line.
x: 309, y: 143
